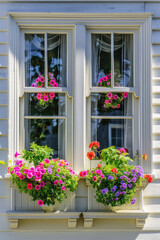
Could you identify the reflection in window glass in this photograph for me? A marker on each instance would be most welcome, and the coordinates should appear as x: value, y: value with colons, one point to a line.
x: 123, y: 60
x: 55, y: 107
x: 34, y: 57
x: 97, y: 106
x: 101, y: 56
x: 56, y: 47
x: 50, y: 132
x: 109, y: 132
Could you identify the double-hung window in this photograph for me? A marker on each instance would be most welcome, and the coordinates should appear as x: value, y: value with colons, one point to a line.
x: 112, y: 70
x: 45, y: 116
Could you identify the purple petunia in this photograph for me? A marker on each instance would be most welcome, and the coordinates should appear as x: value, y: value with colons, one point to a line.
x: 134, y: 179
x: 133, y: 200
x: 130, y: 185
x: 49, y: 170
x: 117, y: 193
x: 110, y: 177
x: 104, y: 191
x: 123, y: 186
x: 113, y: 189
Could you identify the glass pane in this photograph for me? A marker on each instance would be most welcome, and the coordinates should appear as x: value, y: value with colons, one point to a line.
x: 50, y: 132
x: 123, y: 60
x: 56, y: 47
x: 101, y: 56
x: 53, y: 107
x: 109, y: 132
x: 34, y: 57
x: 98, y: 106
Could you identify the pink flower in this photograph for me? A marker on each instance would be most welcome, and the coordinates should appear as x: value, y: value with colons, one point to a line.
x: 22, y: 177
x: 42, y: 79
x: 41, y: 164
x: 45, y: 98
x: 29, y: 186
x: 118, y: 105
x: 112, y: 107
x: 38, y: 96
x: 55, y: 182
x: 110, y: 100
x: 40, y: 202
x: 99, y: 171
x: 37, y: 80
x: 122, y: 150
x: 46, y: 160
x: 38, y: 187
x: 16, y: 154
x: 102, y: 176
x: 42, y: 184
x: 52, y: 95
x: 60, y: 181
x: 55, y: 84
x: 58, y: 170
x: 108, y: 83
x: 94, y: 178
x: 115, y: 97
x: 63, y: 188
x: 125, y: 95
x: 29, y: 175
x: 109, y: 95
x: 106, y: 101
x: 52, y: 82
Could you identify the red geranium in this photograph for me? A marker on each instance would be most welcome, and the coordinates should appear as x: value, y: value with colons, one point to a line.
x: 99, y: 165
x: 94, y: 144
x: 144, y: 156
x: 90, y: 155
x: 148, y: 177
x: 114, y: 170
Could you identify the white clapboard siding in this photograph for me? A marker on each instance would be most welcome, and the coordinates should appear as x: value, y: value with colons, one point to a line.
x: 3, y: 141
x: 3, y: 73
x: 155, y: 50
x: 3, y: 85
x: 3, y: 60
x: 153, y: 8
x: 3, y: 127
x: 152, y: 190
x: 3, y: 23
x: 155, y: 37
x: 156, y: 158
x: 156, y: 61
x: 3, y: 98
x: 4, y: 155
x: 3, y: 36
x: 3, y: 48
x: 3, y: 112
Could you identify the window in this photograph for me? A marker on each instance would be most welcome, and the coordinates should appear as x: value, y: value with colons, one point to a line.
x: 45, y: 117
x: 80, y: 49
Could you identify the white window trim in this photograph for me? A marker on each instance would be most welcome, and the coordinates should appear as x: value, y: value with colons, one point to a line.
x: 78, y: 23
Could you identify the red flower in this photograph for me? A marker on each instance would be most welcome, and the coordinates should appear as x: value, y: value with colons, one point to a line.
x: 148, y: 177
x: 99, y: 165
x: 94, y: 145
x: 90, y: 155
x: 144, y: 156
x: 80, y: 174
x: 114, y: 170
x: 29, y: 186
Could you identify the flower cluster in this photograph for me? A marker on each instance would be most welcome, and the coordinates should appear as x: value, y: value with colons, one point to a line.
x: 47, y: 181
x: 45, y: 98
x: 114, y: 179
x: 106, y: 81
x: 113, y: 100
x: 148, y: 177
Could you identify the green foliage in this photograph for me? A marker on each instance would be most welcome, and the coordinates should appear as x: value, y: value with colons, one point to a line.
x: 37, y: 153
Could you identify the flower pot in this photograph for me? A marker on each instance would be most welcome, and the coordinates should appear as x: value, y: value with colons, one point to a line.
x: 47, y: 208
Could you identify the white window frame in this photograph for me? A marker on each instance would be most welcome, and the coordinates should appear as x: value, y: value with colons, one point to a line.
x: 79, y: 23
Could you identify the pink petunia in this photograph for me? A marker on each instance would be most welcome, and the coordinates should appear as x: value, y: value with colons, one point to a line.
x: 29, y: 175
x: 115, y: 97
x: 46, y: 160
x: 55, y: 84
x: 22, y: 177
x: 110, y: 100
x: 42, y: 79
x: 108, y: 83
x: 118, y: 105
x: 38, y: 96
x: 29, y: 186
x: 40, y: 202
x: 37, y: 79
x: 125, y: 95
x: 94, y: 178
x: 16, y: 154
x: 60, y: 181
x: 42, y: 184
x: 58, y: 170
x: 52, y: 82
x: 55, y: 182
x: 63, y: 188
x: 109, y: 95
x: 45, y: 98
x: 102, y: 176
x: 37, y: 187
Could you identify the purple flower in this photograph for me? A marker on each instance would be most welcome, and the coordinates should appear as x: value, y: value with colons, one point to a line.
x: 123, y: 186
x: 121, y: 181
x: 51, y: 166
x: 128, y: 180
x: 130, y: 185
x: 57, y: 175
x: 140, y: 174
x: 123, y: 192
x: 49, y: 170
x: 113, y: 189
x: 134, y: 179
x: 117, y: 193
x: 125, y: 172
x: 62, y: 176
x: 117, y: 199
x: 104, y: 191
x: 110, y: 177
x: 133, y: 200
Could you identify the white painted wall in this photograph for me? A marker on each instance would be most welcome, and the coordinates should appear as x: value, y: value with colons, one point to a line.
x: 106, y: 229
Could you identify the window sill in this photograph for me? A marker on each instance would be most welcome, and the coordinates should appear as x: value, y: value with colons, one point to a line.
x: 15, y: 216
x: 138, y: 215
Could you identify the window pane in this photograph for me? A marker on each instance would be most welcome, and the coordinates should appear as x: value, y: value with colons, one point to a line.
x: 123, y: 60
x: 109, y: 132
x: 56, y: 46
x: 50, y: 132
x: 98, y: 109
x: 34, y: 57
x: 101, y: 56
x: 35, y: 107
